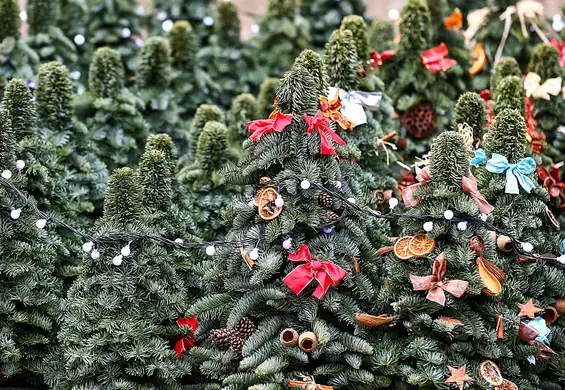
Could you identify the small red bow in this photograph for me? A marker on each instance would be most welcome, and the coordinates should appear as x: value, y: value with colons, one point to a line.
x: 485, y: 95
x: 469, y: 186
x: 434, y: 284
x: 561, y: 49
x: 188, y: 341
x: 320, y: 124
x: 327, y: 274
x: 551, y: 181
x: 423, y: 177
x: 378, y: 58
x: 435, y: 59
x: 330, y: 109
x: 535, y: 138
x: 276, y: 122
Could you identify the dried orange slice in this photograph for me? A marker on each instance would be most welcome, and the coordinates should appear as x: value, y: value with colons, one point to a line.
x: 267, y: 208
x: 401, y: 248
x: 480, y: 59
x: 421, y: 245
x: 490, y: 372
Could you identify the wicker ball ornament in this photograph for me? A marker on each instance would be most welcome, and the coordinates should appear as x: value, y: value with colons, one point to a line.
x: 420, y: 121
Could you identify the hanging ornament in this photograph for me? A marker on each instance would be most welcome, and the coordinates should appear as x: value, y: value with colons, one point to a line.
x: 421, y: 245
x: 459, y: 376
x: 374, y: 321
x: 435, y: 59
x: 454, y: 21
x: 528, y: 309
x: 7, y: 174
x: 327, y: 135
x: 480, y: 60
x: 400, y: 248
x: 15, y: 214
x: 268, y: 210
x: 491, y: 276
x: 188, y: 341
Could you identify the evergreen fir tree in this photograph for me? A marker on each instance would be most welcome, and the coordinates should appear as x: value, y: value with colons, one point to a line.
x: 471, y: 110
x: 360, y: 35
x: 204, y: 114
x: 197, y: 13
x: 282, y: 36
x: 17, y: 59
x: 381, y: 35
x: 243, y: 110
x: 129, y: 306
x: 250, y: 299
x: 325, y: 16
x: 266, y: 98
x: 29, y: 291
x: 112, y: 112
x: 507, y: 66
x: 45, y: 36
x: 510, y: 94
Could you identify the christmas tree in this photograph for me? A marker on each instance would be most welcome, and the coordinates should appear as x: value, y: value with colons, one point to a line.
x: 204, y: 114
x: 243, y: 110
x: 45, y: 36
x: 29, y: 292
x: 326, y: 15
x: 197, y: 13
x: 381, y: 35
x: 17, y: 59
x: 112, y: 112
x: 279, y: 325
x: 266, y: 98
x: 282, y: 36
x: 128, y: 300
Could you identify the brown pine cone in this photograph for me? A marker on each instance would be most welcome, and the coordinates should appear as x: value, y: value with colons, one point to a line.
x: 236, y: 344
x: 331, y: 215
x: 325, y: 200
x: 244, y: 328
x: 221, y: 337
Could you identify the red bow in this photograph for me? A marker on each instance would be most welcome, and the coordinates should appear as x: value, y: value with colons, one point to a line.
x: 423, y: 177
x: 532, y: 135
x: 434, y: 284
x: 435, y: 59
x: 330, y: 109
x: 469, y: 186
x: 561, y: 49
x: 551, y: 181
x: 276, y: 122
x: 188, y: 341
x: 327, y: 274
x: 378, y: 58
x: 320, y: 124
x: 485, y: 95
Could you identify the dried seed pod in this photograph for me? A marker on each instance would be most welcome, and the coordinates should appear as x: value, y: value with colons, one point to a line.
x: 372, y: 321
x: 289, y: 337
x: 308, y: 341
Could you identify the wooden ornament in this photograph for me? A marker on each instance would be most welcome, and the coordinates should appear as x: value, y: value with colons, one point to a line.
x: 289, y: 337
x: 550, y: 315
x: 491, y: 275
x: 528, y: 309
x: 421, y: 245
x: 308, y: 341
x: 559, y: 305
x: 504, y: 243
x: 373, y: 321
x: 490, y: 372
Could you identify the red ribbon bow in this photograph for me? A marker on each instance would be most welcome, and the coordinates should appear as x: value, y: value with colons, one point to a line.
x: 561, y: 49
x: 327, y: 274
x: 435, y: 59
x: 189, y: 340
x: 535, y: 138
x: 469, y: 186
x: 551, y: 181
x: 276, y: 122
x: 320, y: 124
x: 423, y: 177
x: 378, y: 58
x: 434, y: 284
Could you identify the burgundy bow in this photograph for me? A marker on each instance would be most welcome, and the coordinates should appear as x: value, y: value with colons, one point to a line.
x: 423, y: 177
x: 551, y: 181
x: 327, y: 274
x: 188, y: 341
x: 276, y: 122
x: 434, y: 284
x: 469, y: 185
x: 320, y: 124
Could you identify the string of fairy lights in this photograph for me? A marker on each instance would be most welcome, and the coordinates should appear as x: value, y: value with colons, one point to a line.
x: 93, y: 243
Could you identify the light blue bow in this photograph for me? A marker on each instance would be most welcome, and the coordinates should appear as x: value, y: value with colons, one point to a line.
x: 480, y: 158
x: 515, y: 173
x: 563, y: 247
x: 540, y: 325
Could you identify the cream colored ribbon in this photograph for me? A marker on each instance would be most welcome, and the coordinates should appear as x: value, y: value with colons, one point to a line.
x: 536, y: 90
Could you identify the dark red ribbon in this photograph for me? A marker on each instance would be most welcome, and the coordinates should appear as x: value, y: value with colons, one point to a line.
x: 551, y: 181
x: 534, y: 138
x: 189, y: 340
x: 561, y: 49
x: 326, y: 274
x: 264, y: 126
x: 320, y: 124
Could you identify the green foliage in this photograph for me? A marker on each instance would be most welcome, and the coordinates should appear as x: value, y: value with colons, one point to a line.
x: 510, y: 94
x: 7, y: 142
x: 228, y: 25
x: 471, y: 109
x: 507, y: 66
x: 184, y: 46
x: 266, y: 97
x: 242, y: 111
x: 356, y: 24
x: 545, y: 62
x: 10, y: 16
x: 382, y: 35
x: 54, y: 95
x: 445, y: 170
x: 41, y: 15
x: 342, y: 61
x: 194, y: 12
x: 210, y: 154
x: 508, y: 135
x: 205, y: 113
x: 154, y: 66
x: 314, y: 63
x: 18, y: 101
x: 414, y: 28
x: 106, y: 74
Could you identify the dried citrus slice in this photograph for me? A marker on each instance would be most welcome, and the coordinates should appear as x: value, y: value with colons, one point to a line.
x: 490, y: 372
x: 267, y: 208
x: 401, y: 248
x: 421, y: 245
x: 480, y: 60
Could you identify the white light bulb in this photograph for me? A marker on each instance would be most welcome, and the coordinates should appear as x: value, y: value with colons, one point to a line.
x: 20, y: 164
x: 351, y: 200
x: 428, y: 226
x: 279, y: 202
x: 527, y: 247
x: 250, y: 203
x: 255, y: 28
x: 95, y: 254
x: 79, y: 39
x: 393, y: 14
x: 162, y: 15
x: 140, y: 10
x: 118, y: 260
x: 126, y: 251
x: 287, y: 244
x: 254, y: 254
x: 75, y: 75
x: 179, y: 241
x: 7, y: 174
x: 561, y: 259
x: 305, y: 184
x: 558, y: 25
x: 462, y: 226
x: 80, y: 90
x: 167, y: 25
x: 448, y: 214
x: 208, y: 21
x: 23, y: 16
x: 483, y: 217
x: 87, y: 246
x: 392, y: 203
x: 126, y: 32
x: 139, y: 42
x: 210, y: 250
x: 15, y: 214
x: 41, y: 223
x: 556, y: 17
x: 337, y: 183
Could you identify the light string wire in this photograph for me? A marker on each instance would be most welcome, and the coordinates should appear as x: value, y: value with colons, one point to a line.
x: 127, y: 237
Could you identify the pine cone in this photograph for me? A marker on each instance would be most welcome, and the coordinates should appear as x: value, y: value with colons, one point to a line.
x: 331, y: 215
x: 244, y: 328
x: 325, y: 200
x: 236, y: 344
x: 221, y: 337
x: 420, y: 121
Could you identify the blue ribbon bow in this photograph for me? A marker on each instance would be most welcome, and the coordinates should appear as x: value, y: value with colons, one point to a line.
x: 515, y: 173
x: 480, y: 158
x: 540, y: 325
